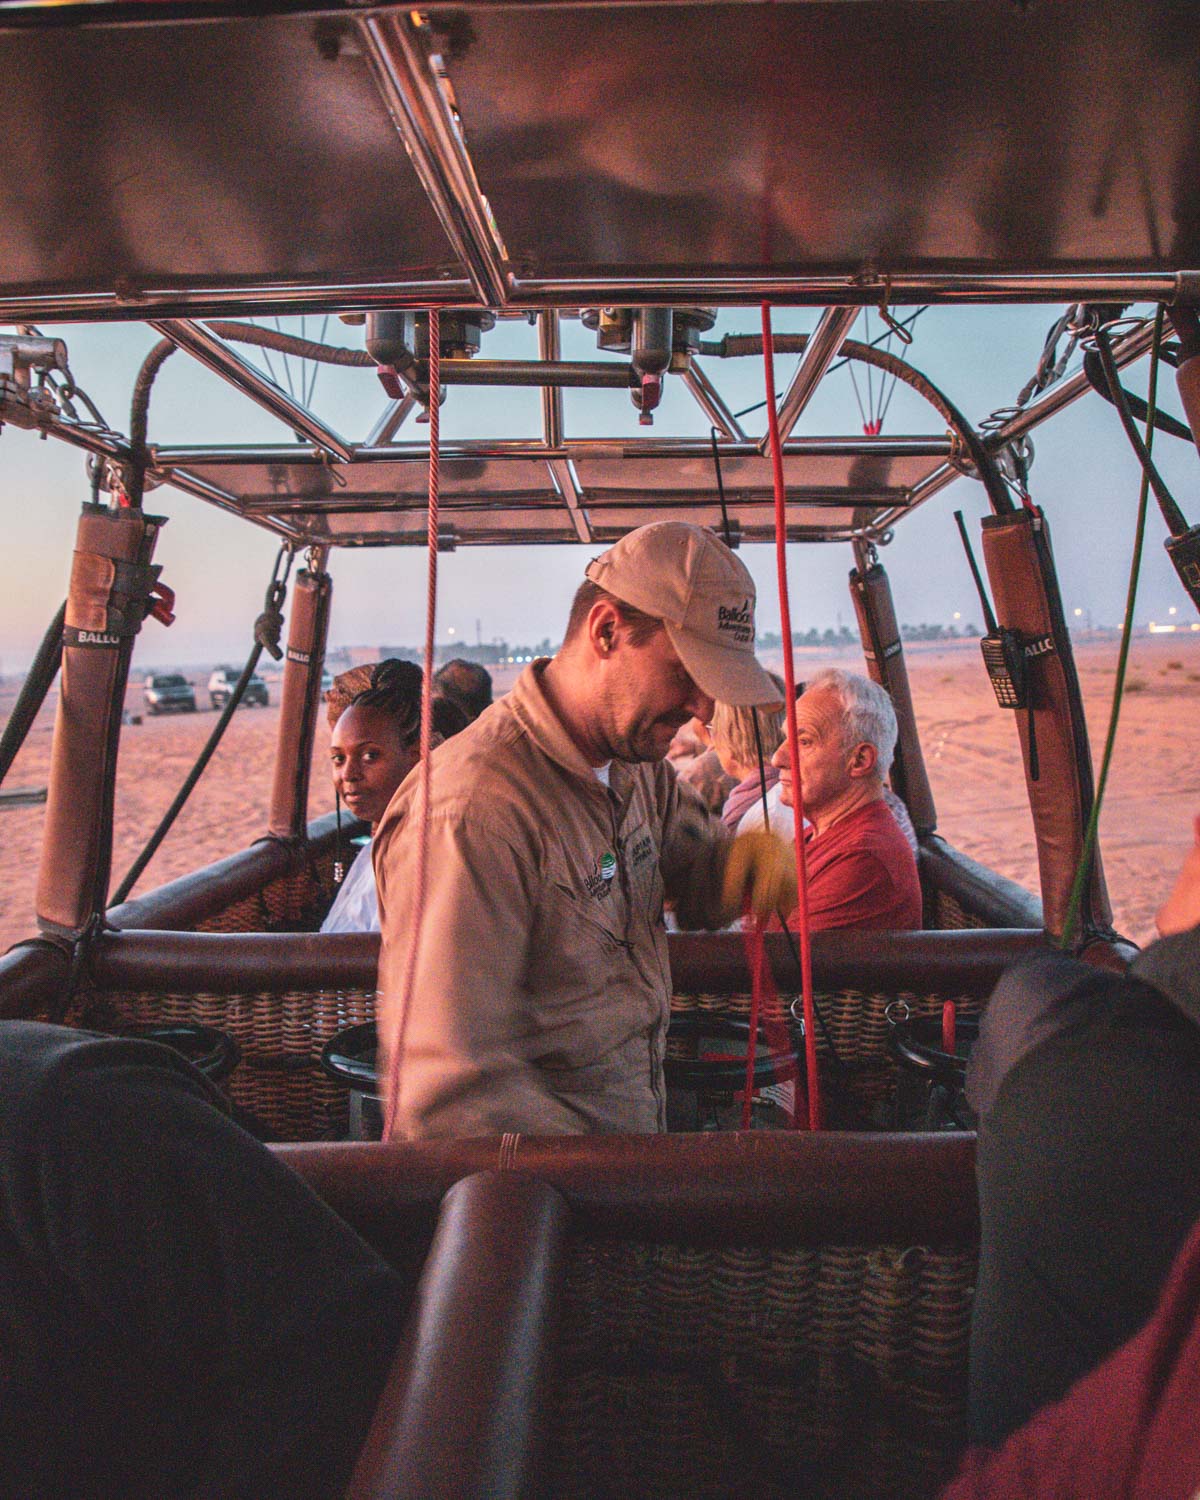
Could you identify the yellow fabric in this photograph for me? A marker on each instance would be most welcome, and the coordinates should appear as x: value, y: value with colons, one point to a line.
x: 762, y: 868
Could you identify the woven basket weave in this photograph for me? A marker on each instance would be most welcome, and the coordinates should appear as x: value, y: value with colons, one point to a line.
x: 950, y: 915
x: 281, y: 1035
x: 837, y: 1373
x: 857, y: 1021
x: 279, y: 1079
x: 296, y: 902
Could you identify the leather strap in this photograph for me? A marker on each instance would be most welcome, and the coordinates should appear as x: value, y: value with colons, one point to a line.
x: 884, y: 651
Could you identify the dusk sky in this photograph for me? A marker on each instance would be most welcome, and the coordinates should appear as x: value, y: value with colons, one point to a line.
x: 1084, y: 475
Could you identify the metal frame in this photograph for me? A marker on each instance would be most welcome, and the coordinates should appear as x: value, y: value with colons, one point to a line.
x: 218, y: 357
x: 433, y: 137
x: 822, y: 350
x: 417, y: 90
x: 402, y: 52
x: 1064, y: 394
x: 550, y: 349
x: 560, y: 454
x: 284, y: 298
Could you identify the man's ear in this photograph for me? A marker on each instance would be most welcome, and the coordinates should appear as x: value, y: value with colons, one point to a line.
x: 603, y: 625
x: 863, y: 760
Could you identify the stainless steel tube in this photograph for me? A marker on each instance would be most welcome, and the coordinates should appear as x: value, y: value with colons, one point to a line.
x: 550, y: 349
x: 433, y: 139
x: 820, y: 353
x: 205, y: 346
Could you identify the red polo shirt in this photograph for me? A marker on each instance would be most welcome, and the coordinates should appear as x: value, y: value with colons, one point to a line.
x: 861, y: 873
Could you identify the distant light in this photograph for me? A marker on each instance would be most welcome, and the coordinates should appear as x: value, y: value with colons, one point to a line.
x: 1078, y: 612
x: 1172, y: 610
x: 1196, y: 624
x: 451, y: 629
x: 1162, y: 629
x: 958, y: 614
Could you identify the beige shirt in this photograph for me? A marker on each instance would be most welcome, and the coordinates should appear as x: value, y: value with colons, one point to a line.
x: 542, y: 988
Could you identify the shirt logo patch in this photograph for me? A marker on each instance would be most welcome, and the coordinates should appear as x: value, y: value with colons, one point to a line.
x: 641, y: 850
x: 599, y: 882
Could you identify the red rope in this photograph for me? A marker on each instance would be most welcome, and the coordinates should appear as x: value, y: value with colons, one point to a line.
x: 765, y: 1004
x: 949, y: 1028
x: 426, y: 765
x: 789, y: 677
x: 755, y: 943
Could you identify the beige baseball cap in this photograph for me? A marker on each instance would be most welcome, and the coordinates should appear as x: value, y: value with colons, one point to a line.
x: 688, y: 578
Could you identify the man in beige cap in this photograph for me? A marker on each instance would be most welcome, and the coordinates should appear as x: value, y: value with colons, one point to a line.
x: 542, y: 986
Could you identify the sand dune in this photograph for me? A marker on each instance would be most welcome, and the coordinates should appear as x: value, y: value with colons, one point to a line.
x: 970, y: 748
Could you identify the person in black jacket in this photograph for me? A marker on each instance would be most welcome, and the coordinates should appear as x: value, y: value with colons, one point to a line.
x: 1087, y: 1084
x: 180, y: 1315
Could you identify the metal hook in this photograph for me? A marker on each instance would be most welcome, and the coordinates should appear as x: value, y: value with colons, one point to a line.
x: 898, y: 329
x: 331, y: 467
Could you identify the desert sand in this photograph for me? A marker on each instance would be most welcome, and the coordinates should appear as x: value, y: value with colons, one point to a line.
x: 970, y: 747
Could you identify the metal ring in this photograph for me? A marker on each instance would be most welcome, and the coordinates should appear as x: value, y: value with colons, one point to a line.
x: 1114, y: 326
x: 897, y: 1006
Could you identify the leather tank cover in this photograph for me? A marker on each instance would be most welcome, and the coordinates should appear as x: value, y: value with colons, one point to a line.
x: 111, y: 546
x: 1020, y: 564
x: 299, y: 704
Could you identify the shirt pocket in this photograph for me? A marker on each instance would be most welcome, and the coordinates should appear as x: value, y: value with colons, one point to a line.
x: 643, y: 873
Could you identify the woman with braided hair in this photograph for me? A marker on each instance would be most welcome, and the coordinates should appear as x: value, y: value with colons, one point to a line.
x: 374, y: 745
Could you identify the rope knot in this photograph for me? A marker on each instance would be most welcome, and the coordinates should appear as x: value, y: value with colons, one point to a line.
x: 269, y: 626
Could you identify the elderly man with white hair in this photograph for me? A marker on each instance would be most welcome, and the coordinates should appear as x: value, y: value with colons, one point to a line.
x: 861, y: 868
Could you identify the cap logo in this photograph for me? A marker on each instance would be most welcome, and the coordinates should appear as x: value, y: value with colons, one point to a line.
x: 737, y: 622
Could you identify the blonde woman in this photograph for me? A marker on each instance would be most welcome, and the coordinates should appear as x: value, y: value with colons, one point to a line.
x: 733, y: 738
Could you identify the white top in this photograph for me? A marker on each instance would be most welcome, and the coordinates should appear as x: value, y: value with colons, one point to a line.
x: 782, y: 822
x: 356, y: 906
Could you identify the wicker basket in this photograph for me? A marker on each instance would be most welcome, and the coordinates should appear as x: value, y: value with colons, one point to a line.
x: 279, y: 1079
x: 836, y: 1373
x: 858, y: 1024
x: 296, y: 902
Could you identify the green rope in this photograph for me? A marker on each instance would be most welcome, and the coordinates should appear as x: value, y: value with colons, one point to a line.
x: 1087, y: 855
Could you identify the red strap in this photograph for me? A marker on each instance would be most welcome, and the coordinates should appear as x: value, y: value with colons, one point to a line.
x: 163, y: 607
x: 949, y: 1027
x: 767, y: 1012
x: 789, y: 677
